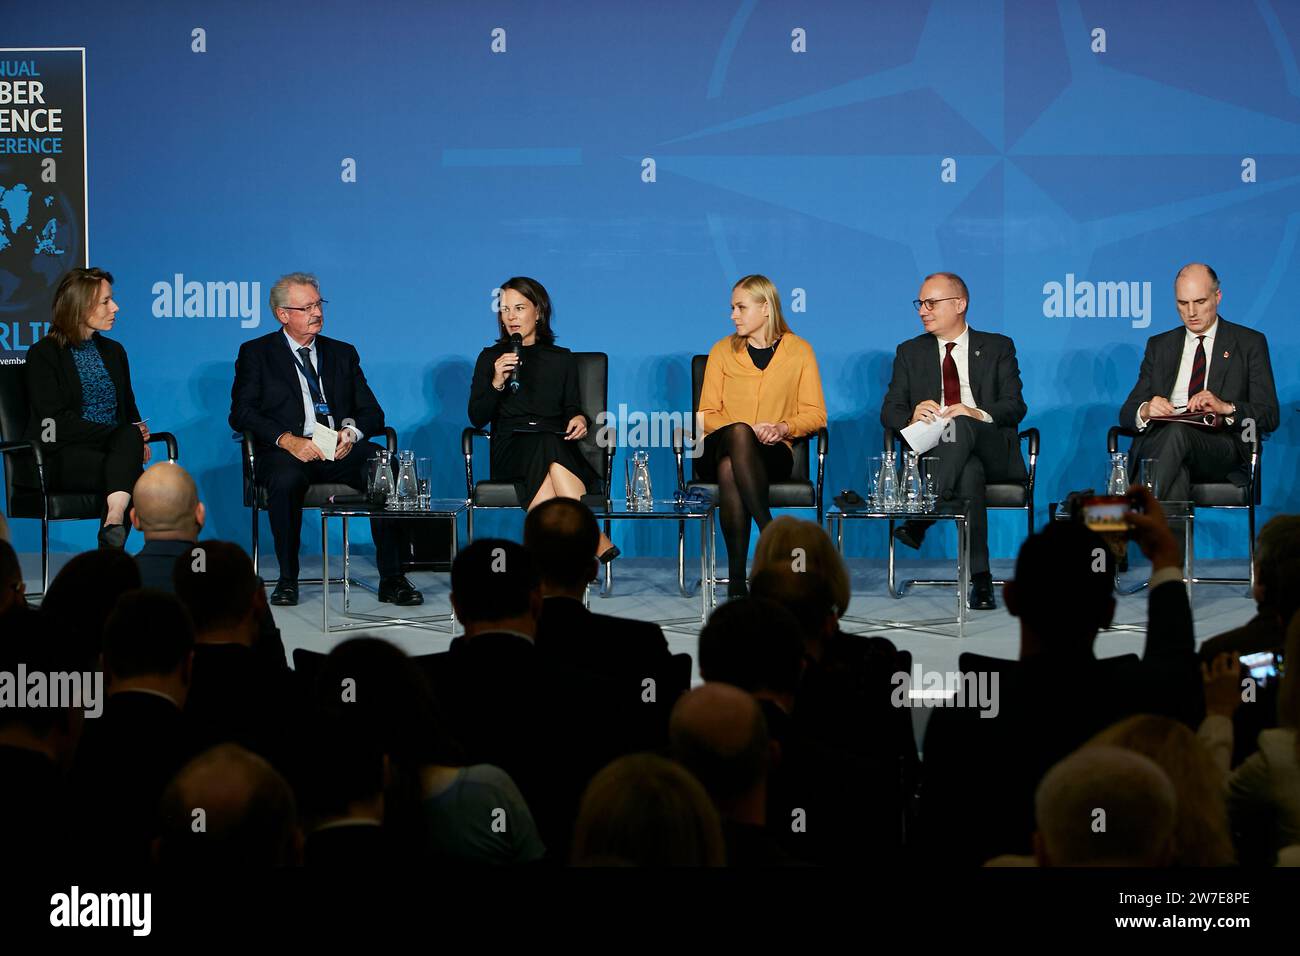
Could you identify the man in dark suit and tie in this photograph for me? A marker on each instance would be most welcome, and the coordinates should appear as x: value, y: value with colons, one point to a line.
x: 972, y: 379
x: 1209, y: 365
x: 286, y: 384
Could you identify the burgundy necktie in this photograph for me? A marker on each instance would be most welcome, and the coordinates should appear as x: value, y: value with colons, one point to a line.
x: 1197, y: 382
x: 952, y: 384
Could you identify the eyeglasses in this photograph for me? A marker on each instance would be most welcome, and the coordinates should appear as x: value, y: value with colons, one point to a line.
x: 931, y: 303
x: 318, y: 304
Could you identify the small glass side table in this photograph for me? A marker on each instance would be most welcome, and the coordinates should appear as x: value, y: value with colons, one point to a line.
x: 950, y: 511
x: 444, y: 621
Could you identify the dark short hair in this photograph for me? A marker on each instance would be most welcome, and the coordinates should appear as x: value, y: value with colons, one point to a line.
x: 754, y: 644
x: 805, y: 595
x: 339, y: 765
x: 255, y: 832
x: 726, y: 776
x: 493, y: 579
x: 149, y: 632
x: 562, y: 535
x: 1057, y: 585
x: 1277, y: 556
x: 219, y: 590
x: 391, y: 705
x: 84, y: 593
x: 534, y: 292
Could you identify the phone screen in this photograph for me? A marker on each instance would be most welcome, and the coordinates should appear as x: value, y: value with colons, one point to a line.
x: 1105, y: 513
x: 1262, y: 666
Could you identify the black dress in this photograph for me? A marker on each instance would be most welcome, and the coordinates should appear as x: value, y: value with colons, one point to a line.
x: 528, y: 425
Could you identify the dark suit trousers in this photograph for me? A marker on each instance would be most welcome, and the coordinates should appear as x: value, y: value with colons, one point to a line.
x: 112, y: 463
x: 976, y: 455
x: 1184, y: 454
x: 286, y: 480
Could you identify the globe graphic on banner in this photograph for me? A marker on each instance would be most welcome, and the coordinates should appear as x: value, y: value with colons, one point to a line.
x: 38, y: 243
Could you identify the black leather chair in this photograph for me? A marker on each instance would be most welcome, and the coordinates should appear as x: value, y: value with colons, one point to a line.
x: 597, y: 446
x: 26, y: 494
x: 999, y: 496
x: 800, y: 490
x: 316, y: 496
x: 1218, y: 494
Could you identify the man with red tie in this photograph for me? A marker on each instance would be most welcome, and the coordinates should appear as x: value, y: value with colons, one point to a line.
x: 1209, y: 365
x: 952, y: 371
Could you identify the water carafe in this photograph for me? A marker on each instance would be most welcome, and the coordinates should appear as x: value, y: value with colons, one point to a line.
x: 1117, y: 482
x: 911, y: 483
x: 639, y: 494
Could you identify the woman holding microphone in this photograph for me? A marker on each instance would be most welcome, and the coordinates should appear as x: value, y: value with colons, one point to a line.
x: 761, y: 390
x: 526, y: 387
x: 83, y: 411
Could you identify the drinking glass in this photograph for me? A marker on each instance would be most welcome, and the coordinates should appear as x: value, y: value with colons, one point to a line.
x: 1147, y: 476
x: 930, y: 482
x: 874, y: 466
x: 423, y: 476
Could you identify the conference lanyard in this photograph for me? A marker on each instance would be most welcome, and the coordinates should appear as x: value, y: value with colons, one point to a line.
x: 313, y: 386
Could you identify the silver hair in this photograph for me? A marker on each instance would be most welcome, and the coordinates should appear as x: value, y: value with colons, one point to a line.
x: 280, y: 291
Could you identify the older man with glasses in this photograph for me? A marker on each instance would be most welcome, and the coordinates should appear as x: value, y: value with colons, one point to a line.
x: 287, y: 384
x: 971, y: 379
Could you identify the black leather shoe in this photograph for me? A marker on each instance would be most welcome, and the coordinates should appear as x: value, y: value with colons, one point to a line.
x: 397, y: 590
x: 981, y: 594
x: 285, y: 593
x: 609, y: 554
x: 911, y: 533
x: 112, y: 537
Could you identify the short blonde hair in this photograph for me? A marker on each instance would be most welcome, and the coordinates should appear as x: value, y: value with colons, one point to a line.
x: 776, y: 548
x: 647, y: 810
x: 760, y: 289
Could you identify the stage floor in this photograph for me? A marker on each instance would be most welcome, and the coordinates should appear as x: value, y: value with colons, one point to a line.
x: 646, y: 588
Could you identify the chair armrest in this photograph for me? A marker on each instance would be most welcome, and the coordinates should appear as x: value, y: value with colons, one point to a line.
x: 607, y: 440
x: 1033, y: 437
x: 169, y: 439
x: 8, y: 447
x: 467, y: 440
x: 679, y: 457
x: 390, y: 436
x: 467, y: 451
x: 891, y: 439
x: 1113, y: 436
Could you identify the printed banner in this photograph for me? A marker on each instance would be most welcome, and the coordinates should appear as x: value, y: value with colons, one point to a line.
x: 43, y: 208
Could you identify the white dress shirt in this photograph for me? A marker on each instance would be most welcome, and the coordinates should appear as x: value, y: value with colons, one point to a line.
x: 1178, y: 397
x: 961, y: 356
x: 308, y: 406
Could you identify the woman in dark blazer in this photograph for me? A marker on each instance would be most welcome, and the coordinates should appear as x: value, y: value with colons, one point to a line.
x: 531, y: 402
x: 83, y: 411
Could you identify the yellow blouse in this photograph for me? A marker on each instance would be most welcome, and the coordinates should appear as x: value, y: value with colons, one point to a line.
x: 789, y: 390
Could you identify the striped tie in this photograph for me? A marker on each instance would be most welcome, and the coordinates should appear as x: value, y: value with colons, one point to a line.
x: 1197, y: 383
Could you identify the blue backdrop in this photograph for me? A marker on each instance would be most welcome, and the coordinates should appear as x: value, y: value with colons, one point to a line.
x: 845, y: 149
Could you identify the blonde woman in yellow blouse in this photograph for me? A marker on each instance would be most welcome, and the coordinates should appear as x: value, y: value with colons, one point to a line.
x: 761, y: 390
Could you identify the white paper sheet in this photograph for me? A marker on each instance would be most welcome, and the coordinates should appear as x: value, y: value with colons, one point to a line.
x: 922, y: 436
x: 326, y: 439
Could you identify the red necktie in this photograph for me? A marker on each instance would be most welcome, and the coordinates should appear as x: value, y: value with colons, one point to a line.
x: 952, y: 384
x: 1197, y: 382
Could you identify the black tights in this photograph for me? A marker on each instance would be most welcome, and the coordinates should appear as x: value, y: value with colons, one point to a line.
x: 743, y: 475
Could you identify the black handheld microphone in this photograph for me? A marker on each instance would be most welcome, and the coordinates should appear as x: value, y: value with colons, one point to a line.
x: 516, y: 343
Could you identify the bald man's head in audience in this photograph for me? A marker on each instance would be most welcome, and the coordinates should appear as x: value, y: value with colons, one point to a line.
x: 1105, y: 806
x: 719, y: 733
x: 245, y: 807
x: 165, y: 504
